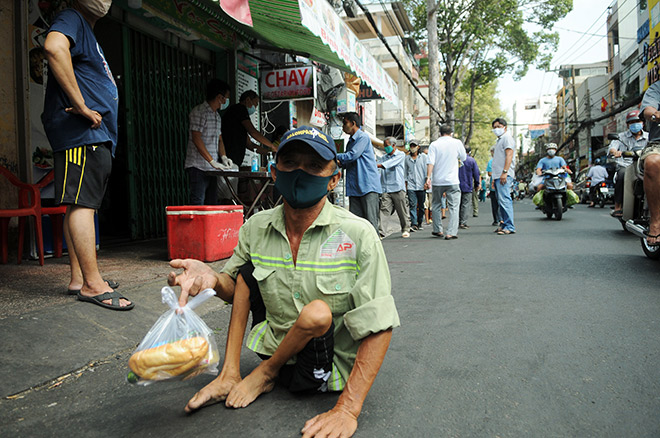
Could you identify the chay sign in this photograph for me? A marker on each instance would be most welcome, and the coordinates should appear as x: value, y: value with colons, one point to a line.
x: 289, y: 84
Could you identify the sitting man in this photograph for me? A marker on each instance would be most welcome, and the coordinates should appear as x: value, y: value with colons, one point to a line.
x: 317, y: 283
x: 649, y: 161
x: 597, y: 174
x: 551, y: 161
x: 632, y: 139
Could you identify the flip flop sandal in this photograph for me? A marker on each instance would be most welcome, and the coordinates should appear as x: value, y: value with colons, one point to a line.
x: 98, y: 300
x: 437, y: 234
x: 657, y: 243
x: 617, y: 213
x: 111, y: 283
x: 505, y: 232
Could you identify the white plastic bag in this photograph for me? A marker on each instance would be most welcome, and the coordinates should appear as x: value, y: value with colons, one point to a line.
x: 179, y: 346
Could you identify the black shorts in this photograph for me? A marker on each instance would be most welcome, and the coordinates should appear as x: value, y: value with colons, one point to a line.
x: 313, y: 364
x: 81, y: 175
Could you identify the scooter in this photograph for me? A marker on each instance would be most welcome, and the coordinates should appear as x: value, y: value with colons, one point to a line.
x: 554, y: 195
x: 636, y: 215
x: 602, y: 191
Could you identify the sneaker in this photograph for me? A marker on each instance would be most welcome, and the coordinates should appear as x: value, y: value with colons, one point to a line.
x: 420, y: 227
x: 405, y: 234
x: 414, y: 228
x: 463, y: 227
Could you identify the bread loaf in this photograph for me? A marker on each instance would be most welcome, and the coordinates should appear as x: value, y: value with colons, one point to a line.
x: 169, y: 360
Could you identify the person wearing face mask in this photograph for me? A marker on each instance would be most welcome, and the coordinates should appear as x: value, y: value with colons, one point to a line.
x: 632, y: 139
x: 551, y: 161
x: 504, y: 163
x: 393, y: 182
x: 313, y: 275
x: 237, y: 128
x: 80, y: 121
x: 415, y: 167
x: 205, y: 145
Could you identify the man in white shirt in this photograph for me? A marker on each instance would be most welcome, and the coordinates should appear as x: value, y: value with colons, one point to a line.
x: 442, y: 176
x: 504, y: 163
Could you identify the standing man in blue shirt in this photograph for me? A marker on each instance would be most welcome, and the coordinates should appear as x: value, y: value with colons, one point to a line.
x: 468, y: 175
x: 415, y: 165
x: 504, y: 163
x: 393, y: 181
x: 362, y: 179
x: 80, y: 120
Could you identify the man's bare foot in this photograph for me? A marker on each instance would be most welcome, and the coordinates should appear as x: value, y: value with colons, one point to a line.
x: 98, y: 288
x: 256, y: 383
x: 214, y: 392
x: 654, y: 231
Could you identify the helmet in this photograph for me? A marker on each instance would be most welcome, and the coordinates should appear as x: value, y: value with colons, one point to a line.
x: 551, y: 146
x: 597, y: 161
x: 633, y: 116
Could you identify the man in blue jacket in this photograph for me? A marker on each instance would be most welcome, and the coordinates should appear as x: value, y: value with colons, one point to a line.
x: 362, y: 178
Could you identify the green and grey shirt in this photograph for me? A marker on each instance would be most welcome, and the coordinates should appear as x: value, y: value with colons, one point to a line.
x: 340, y: 261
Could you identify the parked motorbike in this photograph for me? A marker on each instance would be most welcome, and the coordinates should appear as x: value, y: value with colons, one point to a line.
x: 554, y: 195
x: 636, y: 215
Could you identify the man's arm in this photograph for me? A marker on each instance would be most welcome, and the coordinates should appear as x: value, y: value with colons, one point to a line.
x: 57, y: 48
x: 247, y: 124
x: 392, y: 162
x: 342, y: 419
x: 359, y: 146
x: 508, y: 158
x: 475, y: 175
x: 200, y: 146
x: 429, y: 172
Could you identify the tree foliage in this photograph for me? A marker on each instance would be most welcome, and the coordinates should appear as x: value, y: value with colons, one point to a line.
x: 486, y: 108
x: 482, y: 40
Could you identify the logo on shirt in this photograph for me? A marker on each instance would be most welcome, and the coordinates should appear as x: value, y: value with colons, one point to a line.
x: 338, y: 246
x: 105, y: 65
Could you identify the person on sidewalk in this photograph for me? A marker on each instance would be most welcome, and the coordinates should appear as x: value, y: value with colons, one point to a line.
x: 442, y: 176
x: 362, y: 179
x: 80, y: 121
x: 296, y: 269
x: 632, y: 139
x: 416, y: 164
x: 504, y: 163
x: 205, y: 145
x: 468, y: 175
x: 393, y: 182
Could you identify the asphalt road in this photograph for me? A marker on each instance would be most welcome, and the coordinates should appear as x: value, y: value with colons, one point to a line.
x: 551, y: 332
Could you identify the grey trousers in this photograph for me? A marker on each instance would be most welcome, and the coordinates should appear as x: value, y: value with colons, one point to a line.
x: 475, y: 202
x: 453, y: 202
x: 466, y: 208
x: 398, y: 201
x: 366, y: 207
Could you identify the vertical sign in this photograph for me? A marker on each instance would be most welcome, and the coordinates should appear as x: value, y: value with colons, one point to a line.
x: 247, y: 78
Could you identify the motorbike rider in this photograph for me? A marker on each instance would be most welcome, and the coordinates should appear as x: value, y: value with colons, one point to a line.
x: 649, y: 161
x: 552, y: 161
x: 597, y: 174
x: 632, y: 139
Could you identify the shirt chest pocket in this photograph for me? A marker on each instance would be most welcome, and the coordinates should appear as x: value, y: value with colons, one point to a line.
x: 335, y: 291
x: 270, y: 288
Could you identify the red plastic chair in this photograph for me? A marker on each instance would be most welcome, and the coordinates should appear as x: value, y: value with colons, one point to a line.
x: 56, y: 216
x: 29, y: 204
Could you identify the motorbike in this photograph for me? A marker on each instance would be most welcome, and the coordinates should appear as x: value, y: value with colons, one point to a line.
x: 554, y: 195
x: 604, y: 192
x: 636, y: 215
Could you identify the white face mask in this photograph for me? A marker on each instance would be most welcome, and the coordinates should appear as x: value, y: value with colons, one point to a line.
x: 498, y: 131
x: 551, y: 152
x: 96, y: 8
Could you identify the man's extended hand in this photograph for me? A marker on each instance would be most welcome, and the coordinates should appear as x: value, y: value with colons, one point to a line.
x: 196, y: 277
x: 337, y: 422
x: 503, y: 179
x: 92, y: 116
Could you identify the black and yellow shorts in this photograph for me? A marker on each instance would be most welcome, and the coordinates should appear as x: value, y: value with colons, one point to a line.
x: 81, y: 175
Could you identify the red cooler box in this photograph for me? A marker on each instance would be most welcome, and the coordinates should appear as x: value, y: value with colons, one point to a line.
x: 203, y: 232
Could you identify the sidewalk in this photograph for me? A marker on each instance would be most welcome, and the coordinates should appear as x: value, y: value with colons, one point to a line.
x: 48, y: 334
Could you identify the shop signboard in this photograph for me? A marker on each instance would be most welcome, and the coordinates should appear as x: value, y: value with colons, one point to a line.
x: 346, y: 101
x: 651, y: 53
x: 294, y: 83
x: 247, y: 78
x: 321, y: 19
x: 367, y: 93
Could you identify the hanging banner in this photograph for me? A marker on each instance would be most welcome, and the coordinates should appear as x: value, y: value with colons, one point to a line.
x: 319, y: 17
x: 289, y: 84
x: 247, y: 74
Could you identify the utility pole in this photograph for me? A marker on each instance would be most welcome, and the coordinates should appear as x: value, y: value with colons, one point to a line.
x: 434, y: 68
x: 575, y: 116
x: 589, y: 144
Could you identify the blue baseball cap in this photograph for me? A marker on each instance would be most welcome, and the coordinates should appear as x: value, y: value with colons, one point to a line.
x: 319, y: 141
